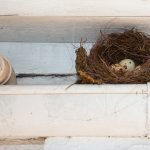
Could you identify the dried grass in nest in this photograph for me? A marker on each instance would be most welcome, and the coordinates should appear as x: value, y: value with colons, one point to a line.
x: 111, y: 49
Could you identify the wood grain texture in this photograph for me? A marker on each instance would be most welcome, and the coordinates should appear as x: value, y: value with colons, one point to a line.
x: 21, y: 147
x: 43, y: 58
x: 22, y: 141
x: 41, y: 111
x: 65, y: 29
x: 74, y: 89
x: 75, y: 8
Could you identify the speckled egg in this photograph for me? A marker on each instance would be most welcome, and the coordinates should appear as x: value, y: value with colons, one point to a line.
x: 127, y: 64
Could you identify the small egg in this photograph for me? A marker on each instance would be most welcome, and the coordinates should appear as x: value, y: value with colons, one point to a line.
x: 127, y: 64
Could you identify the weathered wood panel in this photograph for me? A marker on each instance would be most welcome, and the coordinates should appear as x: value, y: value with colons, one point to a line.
x: 40, y: 111
x: 64, y: 29
x: 75, y: 89
x: 75, y: 8
x: 41, y: 58
x: 96, y: 143
x: 21, y: 147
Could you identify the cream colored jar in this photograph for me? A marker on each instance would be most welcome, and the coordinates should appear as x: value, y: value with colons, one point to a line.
x: 7, y: 75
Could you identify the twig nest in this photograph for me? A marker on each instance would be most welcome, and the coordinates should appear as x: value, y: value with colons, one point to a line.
x: 127, y: 64
x: 108, y: 63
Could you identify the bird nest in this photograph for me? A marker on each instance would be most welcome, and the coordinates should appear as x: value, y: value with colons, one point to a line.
x: 102, y: 65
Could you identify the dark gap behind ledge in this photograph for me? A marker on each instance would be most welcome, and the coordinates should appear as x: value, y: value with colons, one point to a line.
x: 22, y: 75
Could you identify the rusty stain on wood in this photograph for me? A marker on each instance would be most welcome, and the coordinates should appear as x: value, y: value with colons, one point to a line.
x: 24, y: 141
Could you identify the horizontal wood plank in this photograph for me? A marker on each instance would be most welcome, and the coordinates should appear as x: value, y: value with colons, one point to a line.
x: 41, y: 111
x: 65, y: 29
x: 75, y: 8
x: 41, y: 58
x: 96, y: 143
x: 21, y: 147
x: 74, y: 89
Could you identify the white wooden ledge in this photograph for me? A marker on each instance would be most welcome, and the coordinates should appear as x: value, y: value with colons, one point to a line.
x: 81, y: 110
x: 75, y: 8
x: 96, y: 143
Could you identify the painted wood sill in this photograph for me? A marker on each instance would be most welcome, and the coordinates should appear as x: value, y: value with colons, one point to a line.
x: 80, y: 110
